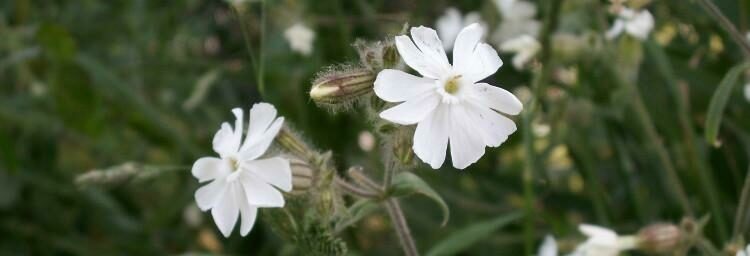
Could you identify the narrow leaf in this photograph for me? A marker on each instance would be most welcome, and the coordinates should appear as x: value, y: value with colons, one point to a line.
x: 407, y: 183
x: 466, y: 237
x: 357, y: 211
x: 719, y: 102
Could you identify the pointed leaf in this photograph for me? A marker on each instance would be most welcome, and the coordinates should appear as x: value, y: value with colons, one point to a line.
x: 407, y: 183
x: 719, y: 102
x: 357, y: 211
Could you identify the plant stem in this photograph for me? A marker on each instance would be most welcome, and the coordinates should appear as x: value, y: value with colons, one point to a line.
x: 261, y: 50
x: 402, y: 229
x: 353, y: 189
x: 727, y: 25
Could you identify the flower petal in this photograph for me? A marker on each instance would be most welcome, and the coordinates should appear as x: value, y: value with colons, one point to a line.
x: 597, y: 234
x: 225, y: 212
x: 493, y: 127
x: 549, y: 247
x: 416, y: 59
x: 261, y: 116
x: 448, y: 27
x: 431, y: 137
x: 208, y: 195
x: 413, y: 110
x: 259, y: 193
x: 248, y: 214
x: 260, y: 144
x: 474, y: 60
x: 497, y: 98
x: 209, y: 168
x: 465, y: 144
x: 640, y: 26
x: 223, y: 140
x: 275, y: 171
x: 466, y: 42
x: 396, y: 86
x: 616, y: 29
x: 432, y: 48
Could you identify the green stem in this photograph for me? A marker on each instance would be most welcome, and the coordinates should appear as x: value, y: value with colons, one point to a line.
x: 727, y: 25
x: 261, y: 50
x: 741, y: 218
x: 402, y: 229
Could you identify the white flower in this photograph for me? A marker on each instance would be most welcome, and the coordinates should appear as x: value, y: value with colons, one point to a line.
x: 637, y: 24
x: 300, y: 38
x: 745, y: 252
x: 746, y: 91
x: 448, y: 104
x: 451, y: 23
x: 518, y: 19
x: 548, y: 247
x: 525, y: 47
x: 240, y: 182
x: 602, y: 242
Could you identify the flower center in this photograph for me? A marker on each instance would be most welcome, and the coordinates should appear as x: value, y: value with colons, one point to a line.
x: 452, y: 85
x: 234, y: 164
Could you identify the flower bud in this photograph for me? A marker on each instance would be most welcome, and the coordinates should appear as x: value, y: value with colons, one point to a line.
x: 660, y: 238
x: 302, y: 176
x: 377, y: 55
x: 342, y: 87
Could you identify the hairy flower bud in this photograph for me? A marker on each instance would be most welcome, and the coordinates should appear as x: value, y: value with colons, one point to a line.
x: 660, y: 238
x: 378, y: 55
x: 342, y: 87
x: 302, y: 175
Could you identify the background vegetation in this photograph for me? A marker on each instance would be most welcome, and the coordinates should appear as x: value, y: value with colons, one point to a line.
x: 91, y: 84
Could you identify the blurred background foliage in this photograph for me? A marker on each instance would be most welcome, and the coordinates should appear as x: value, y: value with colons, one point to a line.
x: 90, y: 84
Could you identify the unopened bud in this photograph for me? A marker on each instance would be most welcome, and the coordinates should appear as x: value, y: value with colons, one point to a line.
x: 342, y: 87
x: 378, y: 55
x: 302, y: 176
x: 660, y: 238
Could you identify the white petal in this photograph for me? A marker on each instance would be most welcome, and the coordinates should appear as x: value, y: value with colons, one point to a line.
x: 259, y: 193
x: 396, y: 86
x: 248, y: 214
x: 485, y: 62
x: 275, y: 171
x: 640, y: 26
x: 208, y: 195
x: 260, y: 144
x: 549, y: 247
x: 413, y: 110
x: 431, y: 137
x: 497, y: 98
x: 261, y: 117
x: 463, y: 48
x: 597, y: 234
x: 616, y: 29
x: 209, y: 168
x: 466, y: 145
x: 238, y: 129
x: 225, y: 212
x: 432, y: 48
x: 493, y: 127
x: 416, y: 59
x: 223, y: 141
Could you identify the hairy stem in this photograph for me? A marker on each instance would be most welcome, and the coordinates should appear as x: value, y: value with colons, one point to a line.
x: 727, y: 25
x: 402, y: 229
x: 353, y: 189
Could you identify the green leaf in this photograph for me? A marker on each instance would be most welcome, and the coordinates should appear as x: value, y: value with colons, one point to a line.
x: 357, y: 211
x: 719, y: 102
x: 407, y: 183
x: 462, y: 239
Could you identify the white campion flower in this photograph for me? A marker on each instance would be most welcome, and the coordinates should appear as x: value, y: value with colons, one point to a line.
x: 518, y: 19
x: 637, y: 24
x: 744, y: 252
x: 548, y: 247
x: 602, y: 242
x: 448, y: 103
x: 525, y: 48
x: 300, y: 38
x: 452, y: 22
x: 240, y: 182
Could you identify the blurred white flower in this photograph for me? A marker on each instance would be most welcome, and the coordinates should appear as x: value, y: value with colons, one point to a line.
x: 518, y: 19
x: 601, y: 242
x: 300, y: 38
x: 239, y: 181
x: 745, y: 252
x: 746, y: 91
x: 192, y: 216
x: 548, y: 247
x: 366, y: 141
x: 525, y: 48
x: 637, y: 24
x: 451, y: 23
x: 448, y: 104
